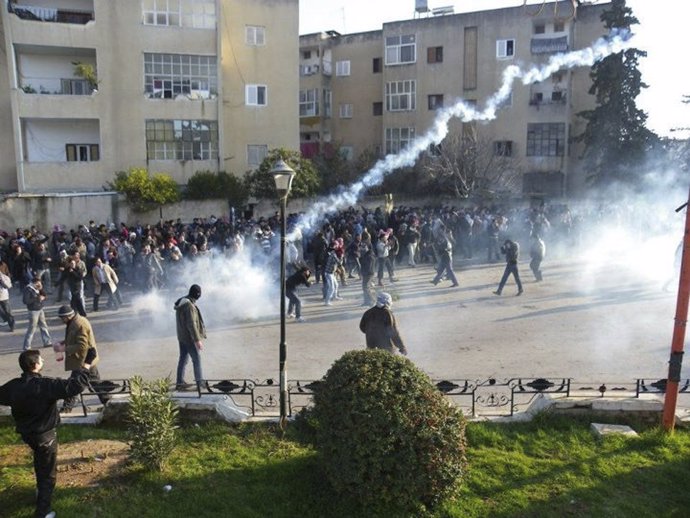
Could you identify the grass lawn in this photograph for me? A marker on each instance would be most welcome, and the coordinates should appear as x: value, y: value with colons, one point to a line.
x: 552, y: 467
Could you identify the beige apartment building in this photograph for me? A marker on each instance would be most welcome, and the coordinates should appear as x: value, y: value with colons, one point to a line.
x: 375, y: 91
x: 92, y: 87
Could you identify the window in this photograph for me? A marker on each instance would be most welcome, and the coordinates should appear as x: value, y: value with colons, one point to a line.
x: 377, y: 109
x: 181, y: 139
x: 255, y: 35
x: 308, y: 103
x: 82, y: 152
x: 75, y: 87
x: 435, y: 101
x: 198, y: 14
x: 434, y: 55
x: 256, y: 154
x: 539, y: 28
x: 546, y: 139
x: 505, y: 48
x: 401, y: 50
x: 306, y: 54
x: 168, y: 75
x: 346, y: 152
x: 376, y: 65
x: 503, y: 148
x: 346, y: 111
x: 327, y: 102
x: 255, y: 95
x: 401, y: 95
x: 537, y: 98
x: 558, y: 96
x: 558, y: 26
x: 398, y: 138
x: 342, y: 68
x: 434, y: 150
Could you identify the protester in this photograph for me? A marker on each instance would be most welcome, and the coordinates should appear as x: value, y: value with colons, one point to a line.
x: 379, y: 325
x: 105, y: 280
x: 5, y: 285
x: 511, y: 250
x: 300, y: 277
x: 34, y: 297
x: 190, y: 331
x: 33, y: 399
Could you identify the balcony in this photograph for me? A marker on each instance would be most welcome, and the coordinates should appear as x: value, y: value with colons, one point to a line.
x: 51, y: 14
x: 56, y: 86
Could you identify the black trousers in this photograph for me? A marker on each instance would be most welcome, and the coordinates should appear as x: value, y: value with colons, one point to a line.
x: 45, y: 447
x: 6, y: 313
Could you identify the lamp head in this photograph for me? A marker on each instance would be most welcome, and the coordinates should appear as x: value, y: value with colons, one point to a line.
x: 282, y: 175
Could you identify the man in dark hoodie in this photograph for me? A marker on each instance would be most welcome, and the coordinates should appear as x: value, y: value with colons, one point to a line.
x: 190, y: 331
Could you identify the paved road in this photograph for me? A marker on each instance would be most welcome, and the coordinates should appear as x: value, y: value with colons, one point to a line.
x: 602, y: 323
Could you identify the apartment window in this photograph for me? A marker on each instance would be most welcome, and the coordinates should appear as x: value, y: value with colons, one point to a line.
x: 255, y: 35
x: 434, y: 55
x: 537, y: 98
x: 558, y: 96
x: 168, y: 75
x: 342, y: 68
x: 181, y: 139
x: 256, y: 95
x: 327, y: 102
x: 75, y: 87
x: 558, y: 26
x: 82, y: 152
x: 198, y: 14
x: 539, y: 28
x: 435, y: 101
x: 401, y: 49
x: 505, y: 48
x: 398, y: 138
x: 346, y: 111
x: 346, y: 152
x: 546, y: 139
x: 503, y: 148
x: 401, y: 95
x: 377, y: 109
x: 306, y: 54
x: 308, y: 103
x: 376, y: 65
x: 256, y: 154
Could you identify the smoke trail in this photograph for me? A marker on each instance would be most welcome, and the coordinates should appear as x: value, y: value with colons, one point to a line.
x: 616, y: 42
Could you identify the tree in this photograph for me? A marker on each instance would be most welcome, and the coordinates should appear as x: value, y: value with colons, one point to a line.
x: 615, y: 139
x: 465, y: 164
x: 204, y: 185
x: 145, y: 192
x: 260, y: 183
x: 334, y: 168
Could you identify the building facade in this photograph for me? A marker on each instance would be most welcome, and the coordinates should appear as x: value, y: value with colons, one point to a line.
x: 92, y: 87
x: 374, y: 92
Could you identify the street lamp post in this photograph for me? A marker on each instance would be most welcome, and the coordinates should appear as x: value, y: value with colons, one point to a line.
x: 283, y: 175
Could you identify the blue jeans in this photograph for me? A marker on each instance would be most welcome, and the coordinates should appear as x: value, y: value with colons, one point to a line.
x: 36, y: 319
x: 187, y: 350
x: 510, y: 268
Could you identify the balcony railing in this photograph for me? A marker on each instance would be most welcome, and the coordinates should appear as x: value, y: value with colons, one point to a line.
x: 56, y: 86
x: 50, y: 14
x: 549, y: 45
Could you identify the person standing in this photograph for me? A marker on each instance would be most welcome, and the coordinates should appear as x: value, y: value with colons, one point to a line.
x: 5, y: 285
x: 105, y: 280
x: 368, y: 269
x: 300, y: 277
x: 80, y: 351
x: 511, y: 249
x: 34, y: 297
x: 444, y: 249
x: 75, y: 274
x: 537, y: 251
x: 190, y: 331
x: 33, y: 399
x: 379, y: 325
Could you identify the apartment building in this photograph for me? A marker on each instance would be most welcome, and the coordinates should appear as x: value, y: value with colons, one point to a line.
x: 92, y: 87
x: 376, y: 91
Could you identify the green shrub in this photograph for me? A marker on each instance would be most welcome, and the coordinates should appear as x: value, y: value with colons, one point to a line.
x: 151, y: 422
x: 207, y: 185
x: 385, y: 434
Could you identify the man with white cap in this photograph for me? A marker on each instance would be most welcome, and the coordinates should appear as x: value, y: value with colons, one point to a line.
x: 379, y: 326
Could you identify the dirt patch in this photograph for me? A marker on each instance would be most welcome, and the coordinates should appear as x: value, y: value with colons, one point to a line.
x: 87, y: 463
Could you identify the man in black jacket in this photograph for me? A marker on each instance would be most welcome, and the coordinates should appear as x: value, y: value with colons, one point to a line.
x: 300, y: 277
x: 33, y: 401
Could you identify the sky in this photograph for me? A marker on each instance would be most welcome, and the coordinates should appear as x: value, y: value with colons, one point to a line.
x: 659, y: 20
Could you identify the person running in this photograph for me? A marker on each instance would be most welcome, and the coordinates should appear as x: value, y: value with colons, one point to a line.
x: 300, y: 277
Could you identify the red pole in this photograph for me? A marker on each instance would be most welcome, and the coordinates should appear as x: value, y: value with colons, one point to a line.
x: 676, y: 361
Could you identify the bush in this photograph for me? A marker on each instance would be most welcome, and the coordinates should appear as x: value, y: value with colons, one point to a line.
x: 385, y: 434
x: 206, y: 185
x: 144, y: 191
x: 151, y: 422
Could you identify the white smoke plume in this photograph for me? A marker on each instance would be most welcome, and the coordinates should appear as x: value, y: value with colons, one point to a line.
x: 603, y: 47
